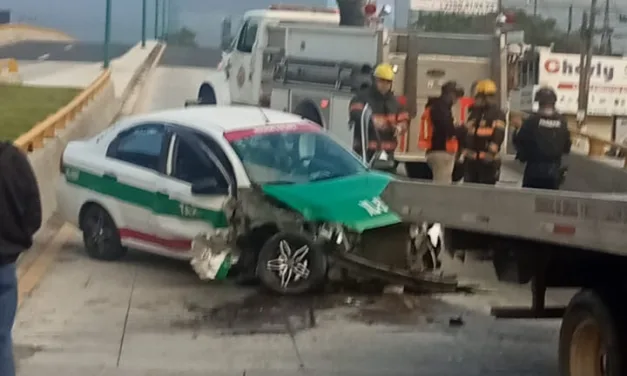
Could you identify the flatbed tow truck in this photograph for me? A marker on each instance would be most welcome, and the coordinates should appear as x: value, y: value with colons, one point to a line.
x: 548, y: 238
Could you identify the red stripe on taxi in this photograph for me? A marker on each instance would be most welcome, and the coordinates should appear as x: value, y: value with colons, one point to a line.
x: 269, y: 129
x: 179, y: 245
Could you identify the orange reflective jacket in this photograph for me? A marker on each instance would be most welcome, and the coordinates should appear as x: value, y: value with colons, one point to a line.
x: 425, y: 135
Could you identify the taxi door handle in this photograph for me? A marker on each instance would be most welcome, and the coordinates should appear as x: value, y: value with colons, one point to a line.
x: 163, y: 192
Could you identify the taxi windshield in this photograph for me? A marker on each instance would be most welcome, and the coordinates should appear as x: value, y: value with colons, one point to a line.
x: 292, y: 154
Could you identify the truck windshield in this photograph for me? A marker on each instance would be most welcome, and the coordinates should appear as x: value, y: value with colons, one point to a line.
x: 293, y: 157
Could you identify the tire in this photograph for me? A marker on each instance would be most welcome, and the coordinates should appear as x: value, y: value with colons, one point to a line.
x: 100, y: 235
x: 314, y: 261
x: 592, y: 323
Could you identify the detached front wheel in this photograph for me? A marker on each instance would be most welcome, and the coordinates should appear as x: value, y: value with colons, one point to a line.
x: 291, y: 264
x: 592, y: 337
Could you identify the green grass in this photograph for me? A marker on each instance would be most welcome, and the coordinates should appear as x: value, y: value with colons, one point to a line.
x: 21, y: 107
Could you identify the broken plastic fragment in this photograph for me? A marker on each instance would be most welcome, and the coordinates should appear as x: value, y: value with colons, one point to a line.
x: 212, y: 258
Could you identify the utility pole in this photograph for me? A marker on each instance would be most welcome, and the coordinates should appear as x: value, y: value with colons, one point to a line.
x: 606, y: 36
x: 570, y: 21
x: 588, y: 31
x: 535, y: 8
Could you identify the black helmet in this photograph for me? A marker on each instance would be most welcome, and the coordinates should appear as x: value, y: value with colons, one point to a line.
x: 452, y: 87
x: 545, y: 95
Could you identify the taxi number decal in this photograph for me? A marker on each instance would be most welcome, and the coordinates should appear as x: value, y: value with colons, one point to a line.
x: 188, y: 211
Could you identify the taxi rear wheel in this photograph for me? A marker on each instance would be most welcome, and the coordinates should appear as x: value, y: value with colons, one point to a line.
x: 100, y: 234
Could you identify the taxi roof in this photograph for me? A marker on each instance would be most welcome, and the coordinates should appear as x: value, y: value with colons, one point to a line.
x: 220, y: 119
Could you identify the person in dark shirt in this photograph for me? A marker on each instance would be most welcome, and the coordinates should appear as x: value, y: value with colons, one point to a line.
x: 20, y: 218
x: 443, y: 144
x: 541, y: 142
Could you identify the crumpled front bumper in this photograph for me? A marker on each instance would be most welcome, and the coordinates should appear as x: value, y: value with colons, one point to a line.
x: 212, y: 256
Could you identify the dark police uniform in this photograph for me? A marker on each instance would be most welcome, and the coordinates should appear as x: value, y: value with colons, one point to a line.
x: 541, y: 142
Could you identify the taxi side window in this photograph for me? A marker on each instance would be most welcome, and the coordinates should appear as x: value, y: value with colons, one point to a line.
x: 247, y: 36
x: 189, y: 167
x: 141, y: 146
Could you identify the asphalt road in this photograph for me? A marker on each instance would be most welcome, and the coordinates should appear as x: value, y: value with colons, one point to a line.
x: 201, y: 57
x: 61, y: 51
x: 150, y: 315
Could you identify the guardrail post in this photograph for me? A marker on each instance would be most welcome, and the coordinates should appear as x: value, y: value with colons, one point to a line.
x: 107, y: 36
x: 156, y: 19
x: 143, y: 23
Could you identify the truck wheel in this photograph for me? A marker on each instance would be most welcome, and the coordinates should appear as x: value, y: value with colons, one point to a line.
x: 592, y: 337
x: 100, y: 234
x: 291, y: 264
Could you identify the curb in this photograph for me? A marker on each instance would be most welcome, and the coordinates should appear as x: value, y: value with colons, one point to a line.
x: 148, y: 62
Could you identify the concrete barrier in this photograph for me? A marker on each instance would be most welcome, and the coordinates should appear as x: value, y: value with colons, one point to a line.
x: 586, y: 175
x: 46, y: 161
x: 96, y: 116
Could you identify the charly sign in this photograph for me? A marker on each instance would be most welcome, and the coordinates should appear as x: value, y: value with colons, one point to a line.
x: 608, y: 82
x: 455, y: 6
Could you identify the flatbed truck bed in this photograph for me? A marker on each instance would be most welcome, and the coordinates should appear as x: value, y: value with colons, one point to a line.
x: 548, y: 238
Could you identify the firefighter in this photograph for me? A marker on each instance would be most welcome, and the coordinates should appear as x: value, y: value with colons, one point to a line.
x: 485, y: 133
x: 438, y: 134
x: 541, y: 142
x: 389, y: 118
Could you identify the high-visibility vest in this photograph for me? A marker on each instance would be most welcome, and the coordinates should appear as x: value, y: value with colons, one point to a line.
x: 425, y: 135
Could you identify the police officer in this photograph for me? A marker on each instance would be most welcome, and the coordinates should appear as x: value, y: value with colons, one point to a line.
x: 389, y: 118
x: 541, y: 142
x: 485, y: 132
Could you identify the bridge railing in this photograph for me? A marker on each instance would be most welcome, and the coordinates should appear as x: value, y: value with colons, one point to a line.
x: 35, y: 137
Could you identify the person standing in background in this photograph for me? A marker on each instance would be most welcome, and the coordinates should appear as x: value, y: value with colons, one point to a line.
x: 541, y: 142
x: 485, y: 133
x: 20, y: 218
x: 438, y: 133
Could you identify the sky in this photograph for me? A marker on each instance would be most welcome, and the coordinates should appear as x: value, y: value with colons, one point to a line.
x: 84, y: 19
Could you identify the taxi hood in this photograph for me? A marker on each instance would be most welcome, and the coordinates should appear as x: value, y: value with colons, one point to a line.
x: 353, y: 201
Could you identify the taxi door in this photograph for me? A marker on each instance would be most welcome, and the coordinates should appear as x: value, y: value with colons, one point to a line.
x: 181, y: 212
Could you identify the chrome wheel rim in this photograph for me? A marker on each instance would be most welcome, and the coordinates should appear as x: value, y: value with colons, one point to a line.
x: 290, y: 265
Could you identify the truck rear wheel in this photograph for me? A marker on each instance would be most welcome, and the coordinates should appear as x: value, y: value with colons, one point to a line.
x: 592, y: 337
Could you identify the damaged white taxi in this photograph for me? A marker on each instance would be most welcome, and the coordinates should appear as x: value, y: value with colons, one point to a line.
x: 235, y: 190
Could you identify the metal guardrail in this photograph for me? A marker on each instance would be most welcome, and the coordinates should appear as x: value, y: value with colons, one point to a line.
x: 596, y: 147
x: 34, y: 138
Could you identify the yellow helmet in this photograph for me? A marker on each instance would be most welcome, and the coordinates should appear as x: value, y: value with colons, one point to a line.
x: 485, y: 87
x: 384, y: 71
